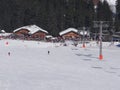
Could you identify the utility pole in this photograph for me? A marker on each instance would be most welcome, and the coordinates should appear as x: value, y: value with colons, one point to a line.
x: 100, y: 24
x: 100, y: 54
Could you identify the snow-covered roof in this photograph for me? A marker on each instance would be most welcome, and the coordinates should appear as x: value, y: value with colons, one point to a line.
x: 2, y: 31
x: 116, y: 36
x: 32, y: 28
x: 118, y: 32
x: 68, y: 30
x: 5, y: 34
x: 49, y: 36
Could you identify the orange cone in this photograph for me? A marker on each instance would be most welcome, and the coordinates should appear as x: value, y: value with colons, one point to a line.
x: 83, y: 45
x: 6, y: 43
x: 101, y: 57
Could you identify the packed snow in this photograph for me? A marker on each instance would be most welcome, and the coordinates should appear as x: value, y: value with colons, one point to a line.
x: 26, y: 65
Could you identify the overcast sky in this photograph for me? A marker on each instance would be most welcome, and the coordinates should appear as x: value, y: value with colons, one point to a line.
x: 113, y: 2
x: 112, y: 5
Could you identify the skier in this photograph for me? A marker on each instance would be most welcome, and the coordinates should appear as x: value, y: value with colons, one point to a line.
x: 8, y: 53
x: 48, y: 52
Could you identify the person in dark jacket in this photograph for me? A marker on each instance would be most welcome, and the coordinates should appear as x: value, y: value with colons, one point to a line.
x: 8, y: 53
x: 48, y: 52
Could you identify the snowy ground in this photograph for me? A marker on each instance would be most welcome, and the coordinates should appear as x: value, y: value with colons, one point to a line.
x: 29, y: 67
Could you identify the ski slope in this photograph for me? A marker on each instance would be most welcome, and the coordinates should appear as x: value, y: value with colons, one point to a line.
x: 29, y: 67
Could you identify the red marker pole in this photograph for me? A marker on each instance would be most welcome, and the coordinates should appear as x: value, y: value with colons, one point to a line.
x: 100, y: 54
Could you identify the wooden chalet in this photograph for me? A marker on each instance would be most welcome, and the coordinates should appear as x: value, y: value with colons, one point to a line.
x: 31, y: 31
x: 40, y: 34
x: 70, y: 33
x: 21, y: 31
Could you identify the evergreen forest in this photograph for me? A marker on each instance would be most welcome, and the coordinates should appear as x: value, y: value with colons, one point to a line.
x: 55, y: 15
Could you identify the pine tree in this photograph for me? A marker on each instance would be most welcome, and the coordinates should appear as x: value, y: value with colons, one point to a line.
x: 103, y: 12
x: 89, y: 18
x: 52, y: 15
x: 118, y: 15
x: 118, y: 9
